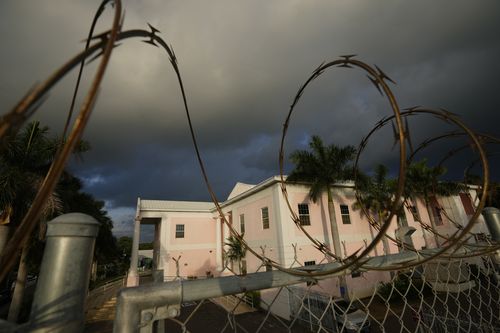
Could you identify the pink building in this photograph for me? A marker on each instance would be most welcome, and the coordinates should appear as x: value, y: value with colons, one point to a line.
x: 191, y: 233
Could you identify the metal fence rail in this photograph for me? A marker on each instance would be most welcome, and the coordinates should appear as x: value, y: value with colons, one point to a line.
x: 458, y: 292
x: 452, y: 288
x: 463, y: 292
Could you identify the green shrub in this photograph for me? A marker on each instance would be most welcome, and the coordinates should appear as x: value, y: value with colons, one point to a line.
x: 404, y: 285
x: 255, y: 296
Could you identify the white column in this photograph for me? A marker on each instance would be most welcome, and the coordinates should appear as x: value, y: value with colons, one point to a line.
x: 218, y: 245
x: 164, y: 255
x: 133, y: 277
x: 156, y: 247
x: 226, y: 234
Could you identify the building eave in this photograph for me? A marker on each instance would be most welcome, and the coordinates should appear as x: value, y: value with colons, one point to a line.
x: 175, y: 206
x: 257, y: 188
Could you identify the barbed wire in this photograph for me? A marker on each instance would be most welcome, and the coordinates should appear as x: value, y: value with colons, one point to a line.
x: 385, y: 121
x: 24, y: 109
x: 102, y: 48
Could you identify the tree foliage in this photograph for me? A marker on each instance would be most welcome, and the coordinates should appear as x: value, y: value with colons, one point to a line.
x: 75, y: 200
x: 321, y: 166
x: 146, y: 246
x: 125, y: 246
x: 25, y: 160
x: 236, y: 249
x: 377, y: 193
x: 423, y: 181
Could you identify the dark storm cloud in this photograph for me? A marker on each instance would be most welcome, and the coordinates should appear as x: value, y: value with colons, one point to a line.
x: 242, y: 63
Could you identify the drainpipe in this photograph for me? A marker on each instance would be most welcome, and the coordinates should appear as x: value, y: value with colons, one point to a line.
x: 59, y: 301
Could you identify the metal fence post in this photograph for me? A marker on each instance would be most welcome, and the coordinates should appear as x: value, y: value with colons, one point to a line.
x: 59, y: 301
x: 492, y: 218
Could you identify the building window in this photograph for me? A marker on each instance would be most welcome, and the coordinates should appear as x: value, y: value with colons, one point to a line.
x: 414, y: 210
x: 310, y: 263
x: 269, y: 267
x: 344, y: 211
x: 265, y: 217
x: 304, y: 214
x: 436, y: 211
x: 437, y: 216
x: 402, y: 221
x: 467, y: 203
x: 242, y: 223
x: 179, y: 231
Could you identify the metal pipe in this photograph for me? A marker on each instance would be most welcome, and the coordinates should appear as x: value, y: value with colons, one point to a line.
x: 59, y: 301
x: 138, y: 307
x: 492, y: 218
x: 193, y: 290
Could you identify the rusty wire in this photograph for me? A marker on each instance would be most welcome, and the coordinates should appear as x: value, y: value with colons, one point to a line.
x: 98, y: 13
x: 454, y: 240
x: 383, y: 122
x: 10, y: 122
x: 482, y: 138
x: 378, y: 78
x: 107, y: 41
x: 17, y: 116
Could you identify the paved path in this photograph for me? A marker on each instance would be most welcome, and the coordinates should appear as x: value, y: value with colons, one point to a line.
x: 101, y: 319
x: 229, y: 304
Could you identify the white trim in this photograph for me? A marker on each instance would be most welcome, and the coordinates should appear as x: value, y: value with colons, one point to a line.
x: 218, y: 245
x: 186, y: 247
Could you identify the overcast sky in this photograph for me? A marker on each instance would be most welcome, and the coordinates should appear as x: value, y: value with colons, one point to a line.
x: 242, y: 63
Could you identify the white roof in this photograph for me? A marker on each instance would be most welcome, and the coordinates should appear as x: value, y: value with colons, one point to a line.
x: 238, y: 189
x: 183, y: 206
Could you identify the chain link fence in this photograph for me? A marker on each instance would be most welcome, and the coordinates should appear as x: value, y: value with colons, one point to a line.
x: 450, y: 289
x: 444, y: 295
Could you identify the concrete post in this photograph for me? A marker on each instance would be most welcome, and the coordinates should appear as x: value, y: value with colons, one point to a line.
x: 492, y: 219
x: 133, y: 276
x: 59, y: 301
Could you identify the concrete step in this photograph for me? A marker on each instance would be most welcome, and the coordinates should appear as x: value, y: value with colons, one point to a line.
x: 105, y: 313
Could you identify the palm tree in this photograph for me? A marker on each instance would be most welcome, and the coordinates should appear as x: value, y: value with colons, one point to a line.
x: 377, y: 193
x: 25, y: 159
x: 421, y: 181
x: 236, y: 251
x: 322, y: 167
